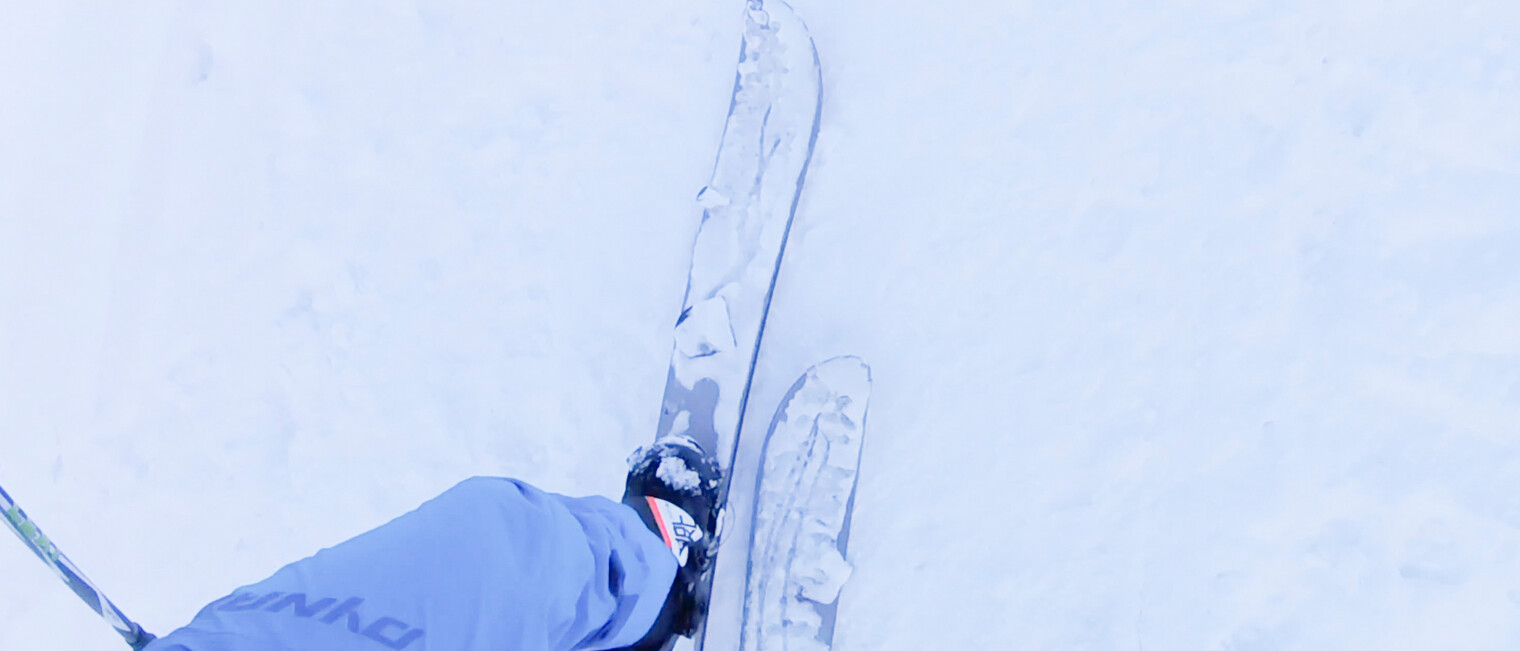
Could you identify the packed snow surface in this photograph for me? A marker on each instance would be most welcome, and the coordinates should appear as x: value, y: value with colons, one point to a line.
x: 1192, y: 325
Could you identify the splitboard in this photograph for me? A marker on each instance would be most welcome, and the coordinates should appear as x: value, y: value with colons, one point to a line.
x: 747, y: 210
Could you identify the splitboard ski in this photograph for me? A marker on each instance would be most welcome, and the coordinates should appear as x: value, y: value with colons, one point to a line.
x: 804, y: 499
x: 747, y: 211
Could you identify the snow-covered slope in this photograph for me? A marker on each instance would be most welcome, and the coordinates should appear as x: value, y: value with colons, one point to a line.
x: 1192, y: 326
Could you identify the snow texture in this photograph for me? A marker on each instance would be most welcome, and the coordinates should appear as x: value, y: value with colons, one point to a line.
x: 676, y: 474
x: 1192, y: 324
x: 708, y: 330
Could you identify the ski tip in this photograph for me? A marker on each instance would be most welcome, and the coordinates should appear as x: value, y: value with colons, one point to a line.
x: 847, y: 374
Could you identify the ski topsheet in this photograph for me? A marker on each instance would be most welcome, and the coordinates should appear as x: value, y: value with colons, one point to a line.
x: 804, y: 497
x: 747, y: 210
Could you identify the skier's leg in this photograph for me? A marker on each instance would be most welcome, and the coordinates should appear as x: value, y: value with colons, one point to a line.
x: 490, y: 564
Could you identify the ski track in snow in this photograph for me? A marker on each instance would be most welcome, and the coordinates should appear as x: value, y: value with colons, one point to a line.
x: 1192, y: 327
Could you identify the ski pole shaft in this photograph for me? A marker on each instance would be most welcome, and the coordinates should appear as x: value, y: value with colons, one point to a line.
x: 17, y: 521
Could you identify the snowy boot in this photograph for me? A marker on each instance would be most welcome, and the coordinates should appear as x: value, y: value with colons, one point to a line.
x: 673, y: 485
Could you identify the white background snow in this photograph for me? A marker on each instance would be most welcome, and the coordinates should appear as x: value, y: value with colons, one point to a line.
x: 1193, y: 325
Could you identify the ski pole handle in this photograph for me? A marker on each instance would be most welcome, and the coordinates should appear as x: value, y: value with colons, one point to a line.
x: 17, y: 521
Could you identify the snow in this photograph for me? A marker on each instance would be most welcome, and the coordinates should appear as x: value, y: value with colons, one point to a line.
x: 1191, y: 325
x: 676, y: 474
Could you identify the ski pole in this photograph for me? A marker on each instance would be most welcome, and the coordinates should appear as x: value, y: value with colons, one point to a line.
x: 27, y: 530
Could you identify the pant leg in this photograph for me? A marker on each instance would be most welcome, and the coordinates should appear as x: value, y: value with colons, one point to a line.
x: 491, y: 564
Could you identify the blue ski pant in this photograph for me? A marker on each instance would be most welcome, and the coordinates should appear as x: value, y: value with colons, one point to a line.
x: 491, y: 564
